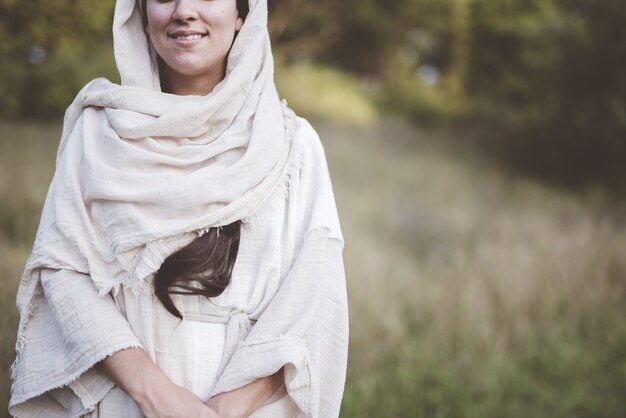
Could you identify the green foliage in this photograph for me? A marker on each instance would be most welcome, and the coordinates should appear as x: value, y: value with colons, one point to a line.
x: 322, y: 92
x: 546, y: 76
x: 50, y: 89
x: 552, y: 70
x: 426, y: 104
x: 46, y: 49
x: 361, y: 36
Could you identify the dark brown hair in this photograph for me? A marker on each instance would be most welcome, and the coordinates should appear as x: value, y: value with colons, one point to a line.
x: 205, y: 266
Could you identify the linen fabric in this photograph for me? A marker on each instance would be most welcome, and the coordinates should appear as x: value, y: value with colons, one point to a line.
x: 141, y: 173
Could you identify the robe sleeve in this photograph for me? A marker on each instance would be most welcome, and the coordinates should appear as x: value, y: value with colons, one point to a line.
x: 71, y: 330
x: 304, y: 329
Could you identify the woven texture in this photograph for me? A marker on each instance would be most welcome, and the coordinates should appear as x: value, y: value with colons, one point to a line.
x: 141, y: 173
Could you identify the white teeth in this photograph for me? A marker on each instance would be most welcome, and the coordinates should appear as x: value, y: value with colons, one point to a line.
x: 188, y: 37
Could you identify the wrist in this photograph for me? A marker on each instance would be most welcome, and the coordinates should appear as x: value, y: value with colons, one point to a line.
x: 243, y: 401
x: 133, y: 371
x: 219, y: 403
x: 150, y: 390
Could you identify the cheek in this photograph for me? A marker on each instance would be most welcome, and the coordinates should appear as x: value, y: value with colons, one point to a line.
x: 157, y: 18
x: 224, y: 17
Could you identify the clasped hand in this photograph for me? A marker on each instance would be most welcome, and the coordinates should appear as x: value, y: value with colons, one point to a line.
x: 177, y: 402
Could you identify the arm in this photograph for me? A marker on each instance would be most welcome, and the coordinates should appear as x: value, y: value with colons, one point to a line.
x: 243, y: 401
x: 155, y: 394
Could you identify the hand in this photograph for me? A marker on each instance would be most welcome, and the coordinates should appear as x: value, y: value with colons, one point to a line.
x: 174, y: 401
x: 155, y: 394
x: 242, y: 402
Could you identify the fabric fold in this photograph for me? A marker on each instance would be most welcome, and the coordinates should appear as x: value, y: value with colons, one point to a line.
x: 118, y: 205
x: 71, y: 330
x: 140, y: 174
x: 309, y: 339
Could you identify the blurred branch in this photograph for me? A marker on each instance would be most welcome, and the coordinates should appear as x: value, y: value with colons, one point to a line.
x: 281, y: 17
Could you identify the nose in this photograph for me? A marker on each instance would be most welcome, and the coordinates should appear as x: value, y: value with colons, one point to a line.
x: 185, y: 10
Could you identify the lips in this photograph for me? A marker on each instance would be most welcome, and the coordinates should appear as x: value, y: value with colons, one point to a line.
x: 186, y: 36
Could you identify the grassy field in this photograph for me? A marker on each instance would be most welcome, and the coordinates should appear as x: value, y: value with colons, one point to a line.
x: 473, y: 293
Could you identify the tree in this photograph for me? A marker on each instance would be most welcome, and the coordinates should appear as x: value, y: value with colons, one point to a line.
x: 41, y: 44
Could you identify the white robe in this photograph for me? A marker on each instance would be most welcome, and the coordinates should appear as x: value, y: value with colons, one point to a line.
x: 286, y: 306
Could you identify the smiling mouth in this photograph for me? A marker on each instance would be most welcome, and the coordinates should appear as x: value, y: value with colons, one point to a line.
x: 193, y: 37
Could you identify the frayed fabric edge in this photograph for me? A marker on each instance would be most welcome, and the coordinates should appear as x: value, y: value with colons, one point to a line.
x: 105, y: 287
x: 280, y: 190
x: 293, y: 168
x: 71, y: 379
x: 29, y: 305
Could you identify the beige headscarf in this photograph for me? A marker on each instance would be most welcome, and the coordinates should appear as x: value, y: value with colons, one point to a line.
x: 141, y: 173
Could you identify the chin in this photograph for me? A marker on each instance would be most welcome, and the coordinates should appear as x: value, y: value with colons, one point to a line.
x: 193, y: 68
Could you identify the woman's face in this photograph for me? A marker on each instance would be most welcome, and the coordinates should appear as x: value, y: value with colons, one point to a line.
x: 193, y: 37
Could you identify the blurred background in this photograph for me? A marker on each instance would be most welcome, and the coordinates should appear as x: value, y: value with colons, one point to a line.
x: 478, y: 155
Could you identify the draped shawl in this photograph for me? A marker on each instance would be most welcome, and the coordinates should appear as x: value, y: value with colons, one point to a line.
x: 141, y: 173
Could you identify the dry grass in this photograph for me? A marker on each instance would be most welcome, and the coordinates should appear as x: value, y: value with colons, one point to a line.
x: 27, y: 154
x: 472, y: 293
x: 461, y: 271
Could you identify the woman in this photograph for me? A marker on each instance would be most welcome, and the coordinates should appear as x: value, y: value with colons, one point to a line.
x: 188, y: 259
